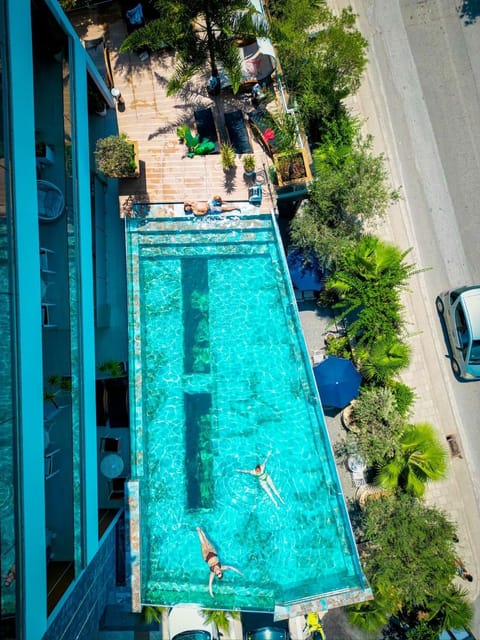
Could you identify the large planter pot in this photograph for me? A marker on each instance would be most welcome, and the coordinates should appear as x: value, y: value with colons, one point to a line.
x: 117, y: 157
x: 292, y: 167
x: 346, y: 418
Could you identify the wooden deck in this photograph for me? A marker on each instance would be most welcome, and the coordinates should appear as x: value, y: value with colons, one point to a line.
x: 151, y: 118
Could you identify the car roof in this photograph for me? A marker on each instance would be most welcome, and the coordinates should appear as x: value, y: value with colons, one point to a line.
x: 471, y: 304
x: 186, y: 617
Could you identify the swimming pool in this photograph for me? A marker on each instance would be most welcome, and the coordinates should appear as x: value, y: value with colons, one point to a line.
x: 220, y: 376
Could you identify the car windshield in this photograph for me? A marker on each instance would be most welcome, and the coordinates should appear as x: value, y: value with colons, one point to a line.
x: 475, y: 352
x: 193, y: 635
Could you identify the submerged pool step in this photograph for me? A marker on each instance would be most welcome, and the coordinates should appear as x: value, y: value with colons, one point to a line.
x: 202, y: 251
x: 194, y: 237
x: 210, y: 223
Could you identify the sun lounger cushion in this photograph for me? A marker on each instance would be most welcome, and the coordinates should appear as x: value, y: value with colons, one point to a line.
x: 117, y: 402
x: 206, y: 128
x: 237, y: 132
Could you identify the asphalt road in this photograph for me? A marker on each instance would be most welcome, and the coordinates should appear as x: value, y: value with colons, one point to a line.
x: 423, y: 90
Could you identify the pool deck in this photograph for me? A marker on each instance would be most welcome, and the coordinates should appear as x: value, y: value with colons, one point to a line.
x: 151, y: 118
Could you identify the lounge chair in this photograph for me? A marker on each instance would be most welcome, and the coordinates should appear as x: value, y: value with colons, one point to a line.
x: 237, y: 132
x: 51, y: 202
x: 116, y: 402
x: 206, y: 128
x: 101, y: 403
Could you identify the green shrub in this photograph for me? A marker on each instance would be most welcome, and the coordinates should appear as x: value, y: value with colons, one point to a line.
x: 115, y: 156
x: 404, y: 396
x: 338, y: 346
x: 378, y: 424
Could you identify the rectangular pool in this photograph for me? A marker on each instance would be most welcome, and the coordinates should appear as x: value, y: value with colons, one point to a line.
x: 219, y: 376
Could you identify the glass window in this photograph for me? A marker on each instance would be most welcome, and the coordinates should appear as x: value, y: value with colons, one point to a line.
x: 475, y: 352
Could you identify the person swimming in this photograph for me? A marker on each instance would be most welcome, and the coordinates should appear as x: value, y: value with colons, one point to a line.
x: 265, y: 480
x: 210, y: 556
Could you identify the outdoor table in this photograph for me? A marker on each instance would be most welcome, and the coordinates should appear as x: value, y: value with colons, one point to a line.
x: 111, y: 465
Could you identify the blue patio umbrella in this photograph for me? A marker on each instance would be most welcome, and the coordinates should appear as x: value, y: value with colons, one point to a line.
x: 304, y: 270
x: 338, y: 381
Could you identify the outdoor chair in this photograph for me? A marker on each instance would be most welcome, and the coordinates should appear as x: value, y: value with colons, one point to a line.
x: 116, y: 402
x: 237, y: 131
x: 116, y: 488
x: 110, y: 445
x: 206, y: 128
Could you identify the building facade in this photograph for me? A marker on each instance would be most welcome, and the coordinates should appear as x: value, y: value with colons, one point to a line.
x: 57, y: 218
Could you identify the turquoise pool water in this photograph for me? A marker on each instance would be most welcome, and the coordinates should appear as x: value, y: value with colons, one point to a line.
x: 220, y: 376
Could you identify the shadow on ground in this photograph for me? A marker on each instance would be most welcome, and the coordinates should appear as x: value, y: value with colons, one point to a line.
x: 469, y: 11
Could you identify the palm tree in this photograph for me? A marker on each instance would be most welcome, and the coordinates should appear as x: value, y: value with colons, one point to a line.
x: 202, y: 32
x: 220, y: 619
x: 381, y: 359
x: 420, y: 458
x: 369, y: 616
x: 452, y: 610
x: 368, y: 282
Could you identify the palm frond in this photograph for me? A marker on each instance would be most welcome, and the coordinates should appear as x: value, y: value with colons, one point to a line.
x: 184, y: 71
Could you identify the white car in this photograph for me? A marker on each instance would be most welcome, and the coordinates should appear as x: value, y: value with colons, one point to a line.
x: 187, y: 622
x: 460, y: 309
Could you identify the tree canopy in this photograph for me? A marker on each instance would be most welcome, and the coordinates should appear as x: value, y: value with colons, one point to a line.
x: 419, y: 458
x: 323, y: 56
x: 350, y: 189
x: 409, y: 550
x: 203, y: 33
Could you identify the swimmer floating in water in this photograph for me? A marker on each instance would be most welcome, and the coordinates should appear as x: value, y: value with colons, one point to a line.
x: 211, y: 558
x: 265, y: 480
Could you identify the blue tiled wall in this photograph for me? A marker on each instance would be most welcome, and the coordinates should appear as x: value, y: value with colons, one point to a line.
x: 78, y: 619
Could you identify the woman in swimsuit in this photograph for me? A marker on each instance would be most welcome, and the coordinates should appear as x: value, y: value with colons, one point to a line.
x: 265, y: 480
x: 10, y: 576
x: 211, y: 558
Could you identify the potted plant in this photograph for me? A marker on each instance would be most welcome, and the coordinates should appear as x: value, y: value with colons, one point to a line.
x: 249, y: 165
x: 292, y: 166
x: 55, y: 384
x: 44, y: 153
x: 227, y: 156
x: 116, y: 157
x: 114, y: 368
x: 182, y: 133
